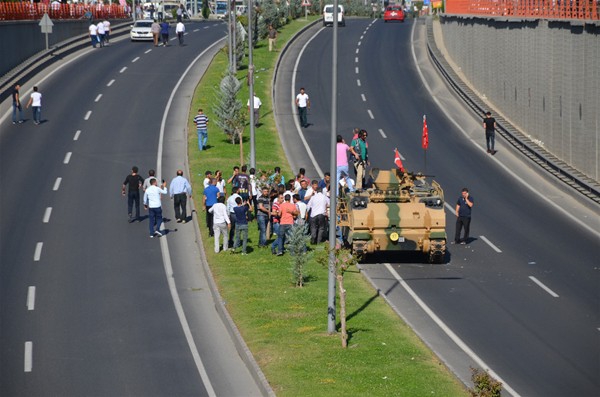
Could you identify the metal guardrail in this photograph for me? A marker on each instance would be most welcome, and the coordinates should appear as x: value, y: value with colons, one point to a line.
x: 539, y: 9
x: 549, y: 162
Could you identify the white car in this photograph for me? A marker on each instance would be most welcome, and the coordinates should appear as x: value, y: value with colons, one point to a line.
x: 140, y: 30
x: 328, y: 15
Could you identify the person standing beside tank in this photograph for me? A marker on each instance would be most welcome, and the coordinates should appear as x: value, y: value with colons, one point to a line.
x: 489, y: 124
x: 464, y: 204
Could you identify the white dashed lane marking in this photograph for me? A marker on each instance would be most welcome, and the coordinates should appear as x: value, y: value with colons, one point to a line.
x: 195, y: 30
x: 359, y: 43
x: 385, y: 136
x: 28, y: 356
x: 356, y: 69
x: 98, y: 98
x: 76, y: 137
x: 370, y: 114
x: 38, y: 252
x: 147, y: 51
x: 57, y: 184
x: 364, y: 99
x: 31, y: 298
x: 110, y: 83
x: 67, y: 157
x: 358, y: 82
x: 122, y: 70
x: 47, y: 214
x: 135, y: 59
x: 87, y: 115
x: 542, y: 286
x: 357, y: 50
x: 488, y: 242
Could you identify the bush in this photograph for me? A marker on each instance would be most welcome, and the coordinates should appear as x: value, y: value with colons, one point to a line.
x: 484, y: 385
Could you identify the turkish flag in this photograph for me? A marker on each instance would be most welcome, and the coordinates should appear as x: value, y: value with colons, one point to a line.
x: 398, y: 161
x: 425, y: 139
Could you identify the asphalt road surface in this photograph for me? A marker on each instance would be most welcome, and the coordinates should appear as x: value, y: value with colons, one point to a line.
x: 522, y: 298
x: 89, y: 304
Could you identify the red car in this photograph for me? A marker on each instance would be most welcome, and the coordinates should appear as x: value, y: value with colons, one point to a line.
x: 393, y: 13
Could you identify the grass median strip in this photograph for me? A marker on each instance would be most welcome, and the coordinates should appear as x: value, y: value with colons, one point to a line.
x: 286, y: 327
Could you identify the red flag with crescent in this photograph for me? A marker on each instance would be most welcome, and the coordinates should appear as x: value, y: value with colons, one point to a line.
x: 398, y: 160
x: 425, y: 139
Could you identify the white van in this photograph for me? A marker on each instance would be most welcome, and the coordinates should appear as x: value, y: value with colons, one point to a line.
x: 328, y: 15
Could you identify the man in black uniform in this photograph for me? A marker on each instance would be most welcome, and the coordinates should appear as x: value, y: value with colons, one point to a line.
x: 134, y: 181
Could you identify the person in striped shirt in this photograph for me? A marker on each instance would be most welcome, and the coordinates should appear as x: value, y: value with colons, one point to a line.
x: 201, y: 122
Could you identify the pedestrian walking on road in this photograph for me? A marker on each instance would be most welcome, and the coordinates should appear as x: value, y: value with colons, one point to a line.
x: 16, y: 104
x: 133, y: 182
x: 35, y: 101
x: 107, y: 31
x: 180, y: 190
x: 155, y: 29
x: 151, y: 175
x: 101, y: 33
x: 180, y: 30
x: 153, y: 205
x: 201, y: 121
x: 303, y: 103
x: 164, y: 32
x: 489, y: 124
x: 464, y: 204
x: 93, y: 29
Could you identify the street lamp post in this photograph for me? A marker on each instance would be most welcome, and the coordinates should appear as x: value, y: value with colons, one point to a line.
x: 251, y: 86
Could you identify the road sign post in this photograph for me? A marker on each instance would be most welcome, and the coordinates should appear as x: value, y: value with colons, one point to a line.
x: 306, y: 4
x: 46, y: 25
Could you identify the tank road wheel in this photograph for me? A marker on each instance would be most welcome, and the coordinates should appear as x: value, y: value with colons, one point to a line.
x: 437, y: 251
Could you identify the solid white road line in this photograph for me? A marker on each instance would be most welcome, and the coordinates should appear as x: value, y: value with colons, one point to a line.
x: 87, y: 115
x: 135, y: 59
x: 38, y: 252
x: 98, y: 98
x: 364, y: 98
x: 164, y: 244
x: 77, y: 133
x: 67, y: 158
x: 31, y: 298
x: 47, y: 214
x: 358, y: 82
x: 122, y: 70
x: 383, y: 135
x: 542, y: 286
x: 498, y: 250
x: 110, y: 83
x: 28, y: 356
x: 462, y: 345
x: 57, y: 183
x: 370, y: 114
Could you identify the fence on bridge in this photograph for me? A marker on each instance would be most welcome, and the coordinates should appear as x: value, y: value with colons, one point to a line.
x: 539, y: 9
x: 33, y: 11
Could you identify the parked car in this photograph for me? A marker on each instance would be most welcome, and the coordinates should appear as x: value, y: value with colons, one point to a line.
x: 393, y: 12
x: 328, y: 15
x: 140, y: 30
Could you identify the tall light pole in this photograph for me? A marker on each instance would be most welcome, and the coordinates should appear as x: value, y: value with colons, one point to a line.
x: 331, y: 309
x: 251, y: 84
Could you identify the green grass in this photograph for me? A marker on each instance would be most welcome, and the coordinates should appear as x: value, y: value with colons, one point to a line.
x: 286, y: 327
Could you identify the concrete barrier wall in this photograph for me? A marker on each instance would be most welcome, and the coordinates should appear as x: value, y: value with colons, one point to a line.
x: 543, y: 76
x: 23, y: 39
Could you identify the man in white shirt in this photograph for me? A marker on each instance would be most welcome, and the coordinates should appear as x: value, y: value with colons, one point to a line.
x: 106, y: 31
x: 303, y: 103
x: 180, y: 30
x: 101, y: 31
x: 221, y: 222
x: 207, y: 178
x: 93, y: 34
x: 256, y: 107
x: 35, y: 101
x: 317, y: 205
x: 153, y: 205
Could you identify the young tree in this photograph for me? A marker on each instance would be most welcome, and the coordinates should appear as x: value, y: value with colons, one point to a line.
x: 296, y: 246
x: 231, y: 116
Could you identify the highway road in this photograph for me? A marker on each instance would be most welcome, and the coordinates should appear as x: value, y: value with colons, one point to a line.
x: 522, y: 298
x: 89, y: 304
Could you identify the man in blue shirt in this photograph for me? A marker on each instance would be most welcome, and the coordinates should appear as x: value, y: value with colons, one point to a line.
x: 241, y: 224
x: 211, y: 194
x: 180, y: 190
x: 464, y: 204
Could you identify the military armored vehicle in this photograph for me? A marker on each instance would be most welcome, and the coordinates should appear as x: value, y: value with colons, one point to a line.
x: 401, y: 211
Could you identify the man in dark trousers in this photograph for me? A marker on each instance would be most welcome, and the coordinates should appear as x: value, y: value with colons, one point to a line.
x: 489, y: 124
x: 464, y: 204
x: 180, y: 190
x: 133, y: 182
